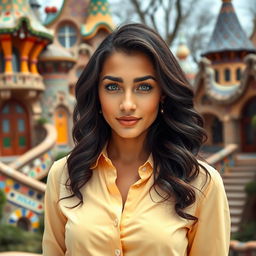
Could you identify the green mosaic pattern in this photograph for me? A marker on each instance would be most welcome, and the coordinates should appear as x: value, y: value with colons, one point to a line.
x: 22, y: 141
x: 14, y: 12
x: 99, y: 6
x: 7, y: 142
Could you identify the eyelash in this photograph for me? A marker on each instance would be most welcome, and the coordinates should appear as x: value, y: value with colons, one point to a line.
x: 116, y: 87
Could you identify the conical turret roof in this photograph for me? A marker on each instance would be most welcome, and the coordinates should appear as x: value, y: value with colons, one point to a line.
x: 14, y: 12
x: 99, y: 17
x: 228, y: 34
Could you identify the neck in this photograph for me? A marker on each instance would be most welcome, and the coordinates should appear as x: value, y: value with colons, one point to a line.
x: 127, y: 150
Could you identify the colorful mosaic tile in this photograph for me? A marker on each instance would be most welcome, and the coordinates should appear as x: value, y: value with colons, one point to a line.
x: 32, y: 217
x: 39, y: 166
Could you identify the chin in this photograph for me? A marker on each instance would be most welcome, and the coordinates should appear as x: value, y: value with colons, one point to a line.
x: 129, y: 134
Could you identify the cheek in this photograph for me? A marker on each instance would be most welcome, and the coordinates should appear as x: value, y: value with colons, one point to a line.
x: 152, y: 107
x: 107, y: 106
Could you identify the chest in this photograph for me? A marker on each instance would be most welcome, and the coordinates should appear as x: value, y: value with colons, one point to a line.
x: 126, y: 177
x: 143, y: 221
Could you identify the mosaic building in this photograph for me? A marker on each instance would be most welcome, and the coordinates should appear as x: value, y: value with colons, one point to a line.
x: 40, y: 62
x: 225, y: 84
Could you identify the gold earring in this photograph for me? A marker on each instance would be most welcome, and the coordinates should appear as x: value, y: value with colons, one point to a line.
x: 161, y: 108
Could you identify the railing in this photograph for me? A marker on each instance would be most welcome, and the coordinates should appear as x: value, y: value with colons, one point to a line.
x: 223, y: 159
x: 37, y: 161
x: 22, y: 178
x: 242, y: 248
x: 21, y: 81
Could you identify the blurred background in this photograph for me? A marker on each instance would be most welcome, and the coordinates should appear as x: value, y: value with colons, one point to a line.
x: 44, y: 47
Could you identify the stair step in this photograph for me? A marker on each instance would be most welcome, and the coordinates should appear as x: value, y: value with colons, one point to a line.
x: 236, y: 211
x: 243, y: 168
x: 235, y: 203
x: 234, y: 188
x: 235, y: 220
x: 239, y: 195
x: 232, y: 181
x: 234, y: 228
x: 239, y: 174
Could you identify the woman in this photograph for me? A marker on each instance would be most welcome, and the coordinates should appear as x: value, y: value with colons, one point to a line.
x: 132, y: 185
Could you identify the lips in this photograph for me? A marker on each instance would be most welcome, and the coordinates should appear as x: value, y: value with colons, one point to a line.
x: 128, y: 120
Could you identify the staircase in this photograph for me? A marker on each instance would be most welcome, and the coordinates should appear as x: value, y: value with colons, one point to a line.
x: 235, y: 180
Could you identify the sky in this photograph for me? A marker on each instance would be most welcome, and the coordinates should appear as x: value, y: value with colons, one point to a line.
x: 241, y: 7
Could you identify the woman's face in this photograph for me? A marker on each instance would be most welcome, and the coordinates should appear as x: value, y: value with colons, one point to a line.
x: 129, y: 93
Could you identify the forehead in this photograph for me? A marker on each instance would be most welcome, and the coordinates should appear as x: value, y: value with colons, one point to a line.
x: 128, y: 63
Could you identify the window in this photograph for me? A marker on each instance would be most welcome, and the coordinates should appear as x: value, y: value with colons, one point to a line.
x: 216, y: 75
x: 15, y: 60
x: 227, y: 75
x: 1, y: 62
x: 67, y: 35
x: 79, y: 71
x: 217, y: 131
x: 238, y: 74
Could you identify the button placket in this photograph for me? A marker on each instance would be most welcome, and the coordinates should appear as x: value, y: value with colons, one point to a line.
x: 116, y: 222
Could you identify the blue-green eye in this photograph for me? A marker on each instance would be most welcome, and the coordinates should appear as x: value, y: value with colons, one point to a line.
x: 144, y: 87
x: 112, y: 87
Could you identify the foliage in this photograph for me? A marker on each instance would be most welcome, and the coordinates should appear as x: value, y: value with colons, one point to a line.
x: 2, y: 202
x: 253, y: 121
x: 12, y: 238
x: 60, y: 155
x: 247, y: 232
x: 42, y: 121
x: 250, y: 188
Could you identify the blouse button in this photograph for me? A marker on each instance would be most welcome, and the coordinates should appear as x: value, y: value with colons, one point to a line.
x: 116, y: 222
x: 117, y: 252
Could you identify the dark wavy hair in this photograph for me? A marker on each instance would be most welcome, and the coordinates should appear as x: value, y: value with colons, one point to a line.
x: 174, y: 138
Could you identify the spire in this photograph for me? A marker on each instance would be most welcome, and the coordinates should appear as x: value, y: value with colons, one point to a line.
x: 228, y: 34
x: 182, y: 51
x: 99, y: 17
x: 185, y: 62
x: 12, y: 15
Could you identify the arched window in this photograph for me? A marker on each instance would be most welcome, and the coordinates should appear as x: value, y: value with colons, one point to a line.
x: 67, y: 35
x: 61, y: 124
x: 217, y: 131
x: 14, y: 129
x: 227, y: 74
x: 217, y: 76
x: 238, y: 74
x: 24, y: 223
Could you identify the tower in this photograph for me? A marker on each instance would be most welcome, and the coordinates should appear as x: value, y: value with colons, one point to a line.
x: 228, y: 46
x: 22, y: 38
x: 58, y: 103
x: 186, y: 64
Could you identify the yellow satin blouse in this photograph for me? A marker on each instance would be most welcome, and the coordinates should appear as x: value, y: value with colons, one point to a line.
x: 144, y: 228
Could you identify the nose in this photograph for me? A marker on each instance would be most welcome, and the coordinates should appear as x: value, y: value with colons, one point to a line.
x: 128, y: 103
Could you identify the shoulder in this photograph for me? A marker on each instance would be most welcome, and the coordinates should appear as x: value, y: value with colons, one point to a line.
x: 58, y: 171
x: 208, y: 177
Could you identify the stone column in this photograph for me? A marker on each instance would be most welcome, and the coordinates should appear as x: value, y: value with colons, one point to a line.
x: 231, y: 131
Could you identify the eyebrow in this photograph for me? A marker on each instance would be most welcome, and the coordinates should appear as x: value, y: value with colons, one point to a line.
x: 138, y: 79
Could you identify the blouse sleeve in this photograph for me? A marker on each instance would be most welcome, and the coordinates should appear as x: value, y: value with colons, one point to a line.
x: 54, y: 221
x: 210, y: 235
